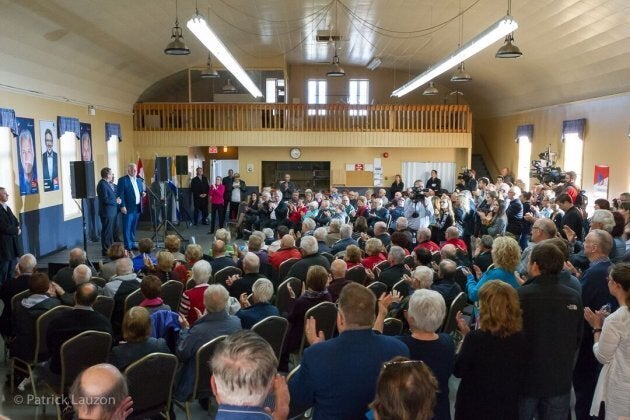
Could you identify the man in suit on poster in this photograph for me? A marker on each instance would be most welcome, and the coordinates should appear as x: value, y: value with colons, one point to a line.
x: 107, y: 208
x: 130, y: 193
x: 9, y: 243
x: 49, y: 163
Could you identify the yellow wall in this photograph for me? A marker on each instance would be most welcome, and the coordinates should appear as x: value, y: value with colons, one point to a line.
x: 44, y: 109
x: 338, y: 148
x: 606, y: 138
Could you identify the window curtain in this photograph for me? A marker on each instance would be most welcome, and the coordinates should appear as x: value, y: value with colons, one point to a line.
x: 573, y: 127
x: 112, y: 129
x: 7, y: 119
x: 525, y: 130
x: 412, y: 171
x: 68, y: 125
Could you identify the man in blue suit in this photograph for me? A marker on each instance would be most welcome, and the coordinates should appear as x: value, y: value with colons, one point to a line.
x: 130, y: 192
x: 107, y: 208
x: 49, y: 163
x: 338, y: 377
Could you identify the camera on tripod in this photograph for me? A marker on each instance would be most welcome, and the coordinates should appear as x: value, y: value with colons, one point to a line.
x: 545, y: 170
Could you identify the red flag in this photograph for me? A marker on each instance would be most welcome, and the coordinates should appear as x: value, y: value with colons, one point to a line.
x: 145, y: 199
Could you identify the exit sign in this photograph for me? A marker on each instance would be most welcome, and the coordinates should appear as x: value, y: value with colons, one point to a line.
x: 213, y: 149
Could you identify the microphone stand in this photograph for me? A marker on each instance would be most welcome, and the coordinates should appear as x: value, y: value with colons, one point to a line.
x: 153, y: 215
x: 166, y: 224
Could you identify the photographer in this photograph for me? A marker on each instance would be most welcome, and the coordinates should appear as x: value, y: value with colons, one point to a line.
x: 466, y: 180
x: 418, y: 209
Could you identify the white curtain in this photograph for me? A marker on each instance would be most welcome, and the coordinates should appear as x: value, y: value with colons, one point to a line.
x: 412, y: 171
x: 221, y: 167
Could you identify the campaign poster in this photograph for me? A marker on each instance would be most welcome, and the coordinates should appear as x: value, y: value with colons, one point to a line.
x: 86, y: 142
x: 27, y: 165
x: 600, y: 181
x: 50, y: 155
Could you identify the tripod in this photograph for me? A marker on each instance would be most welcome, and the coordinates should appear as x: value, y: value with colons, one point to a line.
x: 165, y: 223
x: 81, y: 207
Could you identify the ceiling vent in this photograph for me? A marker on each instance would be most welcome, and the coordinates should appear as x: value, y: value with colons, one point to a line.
x: 327, y: 36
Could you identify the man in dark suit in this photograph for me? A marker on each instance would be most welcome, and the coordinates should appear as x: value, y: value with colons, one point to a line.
x: 107, y: 208
x: 199, y: 187
x: 337, y: 377
x: 287, y: 187
x: 9, y: 231
x: 310, y: 257
x: 237, y: 284
x: 25, y: 268
x: 49, y: 163
x: 130, y: 193
x: 228, y: 181
x: 396, y: 270
x: 72, y: 323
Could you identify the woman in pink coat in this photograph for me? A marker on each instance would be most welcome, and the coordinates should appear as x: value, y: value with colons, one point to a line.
x: 218, y: 205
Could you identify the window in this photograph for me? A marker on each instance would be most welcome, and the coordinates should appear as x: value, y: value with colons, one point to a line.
x: 68, y: 150
x: 359, y: 94
x: 6, y: 163
x: 524, y: 159
x: 274, y: 90
x: 316, y: 95
x: 112, y: 154
x: 573, y: 150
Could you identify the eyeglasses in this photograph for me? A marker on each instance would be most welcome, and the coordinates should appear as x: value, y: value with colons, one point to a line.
x: 387, y: 365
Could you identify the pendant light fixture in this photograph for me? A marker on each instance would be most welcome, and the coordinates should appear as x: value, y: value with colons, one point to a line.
x: 209, y: 72
x: 460, y: 74
x: 229, y: 87
x: 337, y: 70
x: 431, y: 90
x: 509, y: 50
x: 177, y: 45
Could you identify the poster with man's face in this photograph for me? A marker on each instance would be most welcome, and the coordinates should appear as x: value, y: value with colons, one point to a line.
x: 27, y: 167
x: 86, y: 142
x: 50, y: 155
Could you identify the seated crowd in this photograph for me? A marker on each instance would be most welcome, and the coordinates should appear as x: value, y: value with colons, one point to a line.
x: 519, y: 294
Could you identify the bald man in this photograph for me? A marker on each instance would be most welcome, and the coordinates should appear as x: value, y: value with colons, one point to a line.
x: 287, y: 250
x: 96, y: 383
x: 337, y: 278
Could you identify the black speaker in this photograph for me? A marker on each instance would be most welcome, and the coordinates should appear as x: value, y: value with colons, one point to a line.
x: 82, y: 182
x: 162, y: 169
x: 181, y: 165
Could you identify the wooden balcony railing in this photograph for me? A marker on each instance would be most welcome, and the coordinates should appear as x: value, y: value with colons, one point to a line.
x: 301, y: 117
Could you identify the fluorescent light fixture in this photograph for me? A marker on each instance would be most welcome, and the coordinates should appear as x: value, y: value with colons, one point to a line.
x: 198, y: 26
x: 486, y: 38
x: 374, y: 63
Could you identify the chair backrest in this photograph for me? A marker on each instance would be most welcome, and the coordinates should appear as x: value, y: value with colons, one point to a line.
x: 150, y: 381
x: 15, y: 300
x: 459, y: 303
x: 282, y: 296
x: 104, y: 305
x: 377, y: 288
x: 82, y: 351
x: 402, y: 287
x: 41, y: 328
x: 201, y: 386
x: 133, y: 299
x: 330, y: 257
x: 284, y: 268
x: 392, y: 326
x: 380, y: 267
x: 325, y: 314
x: 99, y: 281
x: 190, y: 284
x: 274, y: 330
x: 221, y: 276
x: 171, y: 293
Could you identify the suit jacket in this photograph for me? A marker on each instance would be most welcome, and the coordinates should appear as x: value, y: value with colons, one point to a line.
x: 199, y: 186
x: 68, y: 325
x: 127, y: 195
x: 54, y: 168
x: 9, y: 244
x: 107, y: 206
x: 338, y: 376
x: 300, y: 268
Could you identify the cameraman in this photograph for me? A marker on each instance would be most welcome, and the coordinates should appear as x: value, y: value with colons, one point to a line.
x: 418, y: 209
x: 570, y: 187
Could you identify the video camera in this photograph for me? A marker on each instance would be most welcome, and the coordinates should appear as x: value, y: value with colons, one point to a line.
x: 545, y: 170
x: 418, y: 194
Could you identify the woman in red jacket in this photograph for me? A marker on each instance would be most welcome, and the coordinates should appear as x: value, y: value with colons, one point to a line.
x: 218, y: 205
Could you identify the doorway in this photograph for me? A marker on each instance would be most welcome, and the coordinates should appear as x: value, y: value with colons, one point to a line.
x: 313, y: 175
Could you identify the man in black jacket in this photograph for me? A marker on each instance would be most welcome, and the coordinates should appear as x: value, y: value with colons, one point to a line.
x: 552, y: 323
x: 514, y: 214
x: 72, y: 323
x: 310, y: 257
x: 396, y: 270
x: 572, y: 216
x: 10, y: 230
x: 199, y: 187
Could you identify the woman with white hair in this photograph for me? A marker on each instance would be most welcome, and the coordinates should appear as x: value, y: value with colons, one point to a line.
x: 193, y: 298
x: 425, y: 316
x: 258, y: 307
